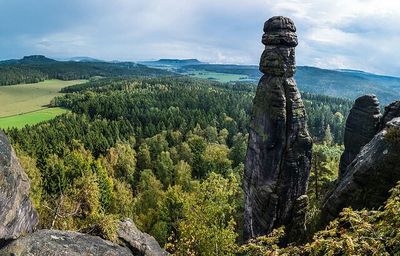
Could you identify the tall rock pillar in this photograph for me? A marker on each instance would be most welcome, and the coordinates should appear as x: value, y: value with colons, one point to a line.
x: 361, y: 126
x: 279, y: 149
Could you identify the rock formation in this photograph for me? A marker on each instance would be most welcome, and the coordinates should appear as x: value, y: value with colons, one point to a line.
x: 361, y: 126
x: 279, y: 148
x: 391, y: 111
x: 17, y: 215
x: 139, y: 242
x: 63, y: 243
x: 368, y: 179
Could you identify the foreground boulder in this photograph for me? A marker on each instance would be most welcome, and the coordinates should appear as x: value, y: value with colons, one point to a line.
x: 63, y: 243
x: 17, y: 215
x: 361, y: 126
x: 138, y: 242
x: 279, y: 149
x: 370, y: 176
x: 131, y: 241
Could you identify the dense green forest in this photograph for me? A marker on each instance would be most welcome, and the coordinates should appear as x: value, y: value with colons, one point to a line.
x: 36, y: 68
x: 167, y: 152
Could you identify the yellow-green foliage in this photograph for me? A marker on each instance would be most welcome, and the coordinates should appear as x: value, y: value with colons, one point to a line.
x: 79, y: 192
x: 393, y: 135
x: 352, y: 233
x: 263, y: 245
x: 194, y: 217
x: 324, y: 171
x: 207, y: 225
x: 122, y: 162
x: 36, y: 182
x: 215, y: 158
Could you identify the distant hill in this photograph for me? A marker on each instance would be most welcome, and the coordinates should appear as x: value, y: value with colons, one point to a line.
x: 338, y: 83
x: 36, y: 68
x: 33, y: 59
x: 82, y: 59
x: 343, y: 83
x: 348, y: 83
x: 171, y: 64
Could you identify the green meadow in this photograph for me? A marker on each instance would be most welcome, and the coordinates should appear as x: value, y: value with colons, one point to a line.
x: 20, y: 121
x: 27, y: 104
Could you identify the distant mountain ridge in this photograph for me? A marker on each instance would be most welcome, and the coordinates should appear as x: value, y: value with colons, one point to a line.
x: 171, y: 64
x: 344, y: 83
x: 36, y: 68
x: 347, y: 84
x: 337, y: 83
x: 82, y: 59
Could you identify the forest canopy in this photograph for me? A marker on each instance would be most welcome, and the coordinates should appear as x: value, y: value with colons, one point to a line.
x: 162, y: 151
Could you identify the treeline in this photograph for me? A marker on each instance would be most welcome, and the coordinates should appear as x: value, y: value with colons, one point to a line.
x: 38, y: 68
x: 11, y: 74
x: 207, y: 102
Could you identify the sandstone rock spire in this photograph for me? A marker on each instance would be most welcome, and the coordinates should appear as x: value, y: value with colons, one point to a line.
x: 279, y: 149
x: 361, y: 126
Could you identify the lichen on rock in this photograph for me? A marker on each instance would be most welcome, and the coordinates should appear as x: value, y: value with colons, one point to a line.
x: 17, y: 215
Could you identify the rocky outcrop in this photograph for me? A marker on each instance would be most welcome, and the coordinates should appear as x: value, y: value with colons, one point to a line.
x: 369, y: 177
x: 131, y: 241
x: 361, y: 126
x: 137, y: 241
x: 63, y: 243
x: 391, y: 111
x: 17, y: 215
x: 279, y: 148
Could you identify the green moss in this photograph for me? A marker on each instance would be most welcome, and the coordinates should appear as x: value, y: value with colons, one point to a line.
x: 393, y: 135
x: 261, y: 133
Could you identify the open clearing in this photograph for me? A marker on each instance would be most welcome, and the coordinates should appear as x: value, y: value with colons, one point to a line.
x: 27, y: 103
x: 20, y: 121
x: 23, y: 98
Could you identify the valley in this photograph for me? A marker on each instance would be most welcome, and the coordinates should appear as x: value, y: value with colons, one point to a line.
x: 336, y: 83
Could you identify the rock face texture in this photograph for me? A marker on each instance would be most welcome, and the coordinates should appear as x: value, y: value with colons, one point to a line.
x: 137, y: 241
x: 279, y: 149
x: 63, y: 243
x: 391, y: 111
x: 368, y: 178
x: 17, y: 215
x: 361, y: 126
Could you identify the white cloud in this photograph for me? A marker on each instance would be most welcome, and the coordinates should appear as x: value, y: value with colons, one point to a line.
x: 334, y: 34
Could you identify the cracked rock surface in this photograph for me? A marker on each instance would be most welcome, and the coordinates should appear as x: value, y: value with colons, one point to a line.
x: 278, y: 157
x: 17, y: 215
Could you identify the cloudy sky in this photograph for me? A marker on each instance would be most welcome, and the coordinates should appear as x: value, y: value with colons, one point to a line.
x: 356, y: 34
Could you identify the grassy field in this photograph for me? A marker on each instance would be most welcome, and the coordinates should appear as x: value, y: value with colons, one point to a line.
x: 220, y: 77
x: 20, y: 121
x: 23, y: 98
x: 27, y: 103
